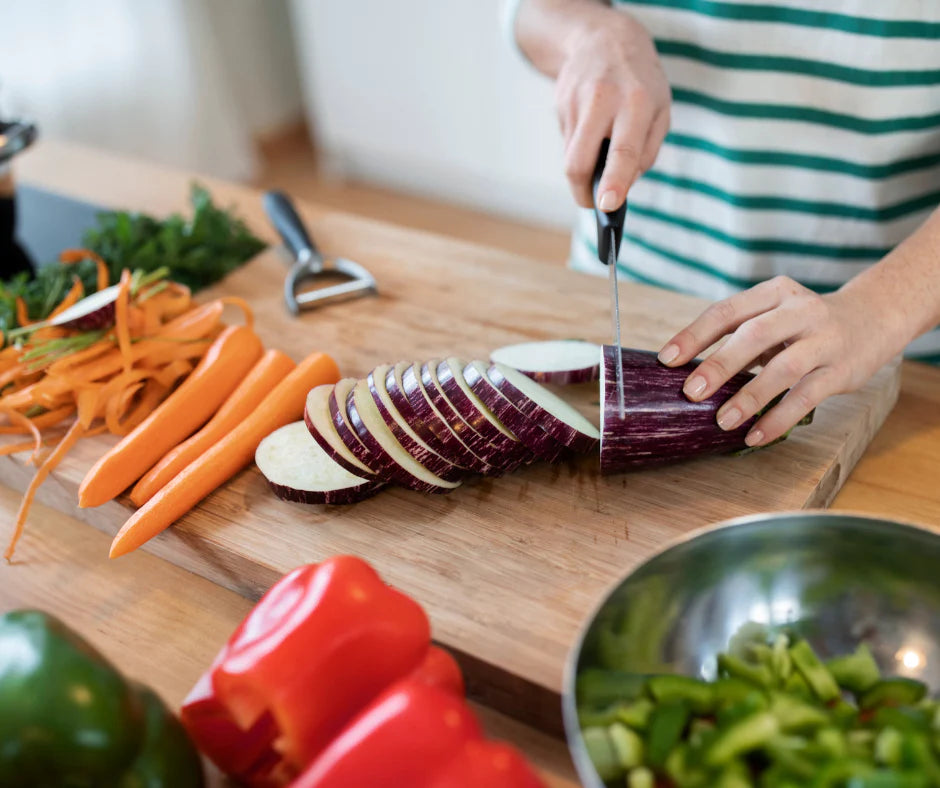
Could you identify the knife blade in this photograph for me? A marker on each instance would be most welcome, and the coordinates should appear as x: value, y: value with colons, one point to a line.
x: 609, y: 232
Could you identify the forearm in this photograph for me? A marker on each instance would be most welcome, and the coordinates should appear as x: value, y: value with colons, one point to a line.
x: 907, y: 283
x: 543, y: 28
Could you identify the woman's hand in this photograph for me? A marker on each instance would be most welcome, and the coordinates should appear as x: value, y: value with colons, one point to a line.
x: 812, y: 345
x: 609, y: 83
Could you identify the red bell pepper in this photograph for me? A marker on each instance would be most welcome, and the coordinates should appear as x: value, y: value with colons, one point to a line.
x: 417, y: 736
x: 321, y: 644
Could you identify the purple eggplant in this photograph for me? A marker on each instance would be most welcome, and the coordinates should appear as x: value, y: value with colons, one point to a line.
x: 660, y: 424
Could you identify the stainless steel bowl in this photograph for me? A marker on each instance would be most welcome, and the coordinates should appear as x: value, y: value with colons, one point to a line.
x: 835, y: 579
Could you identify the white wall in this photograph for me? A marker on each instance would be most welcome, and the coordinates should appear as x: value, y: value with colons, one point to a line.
x: 427, y: 95
x: 184, y: 82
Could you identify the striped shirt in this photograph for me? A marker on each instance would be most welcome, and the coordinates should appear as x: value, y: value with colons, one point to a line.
x: 805, y: 140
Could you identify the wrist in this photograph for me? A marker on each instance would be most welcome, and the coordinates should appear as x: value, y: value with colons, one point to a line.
x: 550, y: 31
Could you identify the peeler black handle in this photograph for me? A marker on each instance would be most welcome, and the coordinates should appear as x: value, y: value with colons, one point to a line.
x: 606, y: 221
x: 283, y: 216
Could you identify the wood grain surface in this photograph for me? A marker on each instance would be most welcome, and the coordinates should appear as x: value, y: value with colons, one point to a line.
x: 163, y: 625
x: 507, y: 568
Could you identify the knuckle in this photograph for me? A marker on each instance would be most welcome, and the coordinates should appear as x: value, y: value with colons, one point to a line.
x: 638, y: 97
x: 748, y: 402
x: 787, y: 366
x: 721, y: 312
x: 575, y: 169
x: 598, y: 92
x: 803, y: 400
x: 716, y: 368
x: 753, y: 332
x: 623, y: 150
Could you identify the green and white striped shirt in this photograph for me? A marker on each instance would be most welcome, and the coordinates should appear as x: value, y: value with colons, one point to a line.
x: 805, y: 141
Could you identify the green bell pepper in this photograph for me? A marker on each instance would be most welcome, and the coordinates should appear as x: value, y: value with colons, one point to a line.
x: 69, y: 719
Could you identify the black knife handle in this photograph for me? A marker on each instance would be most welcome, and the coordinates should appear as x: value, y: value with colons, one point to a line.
x: 283, y: 216
x: 606, y: 220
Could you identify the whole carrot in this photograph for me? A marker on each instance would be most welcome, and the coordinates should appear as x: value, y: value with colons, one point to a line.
x: 228, y: 456
x: 273, y: 367
x: 226, y: 362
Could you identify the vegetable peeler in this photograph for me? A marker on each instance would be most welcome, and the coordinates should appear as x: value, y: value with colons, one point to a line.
x: 309, y: 265
x: 609, y: 234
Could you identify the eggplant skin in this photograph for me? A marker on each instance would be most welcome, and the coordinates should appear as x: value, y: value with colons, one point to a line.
x: 660, y: 423
x: 347, y: 495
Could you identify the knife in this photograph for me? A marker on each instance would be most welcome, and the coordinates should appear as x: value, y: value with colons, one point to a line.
x: 609, y: 233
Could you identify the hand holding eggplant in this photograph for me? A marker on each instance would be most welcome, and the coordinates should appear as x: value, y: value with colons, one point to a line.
x: 812, y: 346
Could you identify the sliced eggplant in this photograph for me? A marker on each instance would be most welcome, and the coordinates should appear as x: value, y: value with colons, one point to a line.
x: 526, y: 429
x: 416, y: 389
x: 660, y: 423
x: 299, y: 470
x: 428, y: 423
x: 560, y: 361
x: 475, y: 412
x: 320, y: 423
x: 91, y: 312
x: 337, y: 405
x: 553, y: 414
x: 398, y: 464
x: 404, y: 434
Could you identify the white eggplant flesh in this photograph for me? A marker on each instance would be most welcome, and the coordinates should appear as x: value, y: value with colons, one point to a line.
x: 340, y: 419
x: 428, y: 423
x: 320, y: 424
x: 365, y: 419
x: 299, y: 470
x: 527, y: 429
x: 560, y: 361
x: 91, y: 312
x: 475, y: 412
x: 403, y: 432
x: 416, y: 390
x: 553, y: 414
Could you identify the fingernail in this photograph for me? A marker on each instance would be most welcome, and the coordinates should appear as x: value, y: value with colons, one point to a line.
x: 729, y: 419
x: 669, y: 354
x: 608, y: 200
x: 754, y: 438
x: 695, y: 386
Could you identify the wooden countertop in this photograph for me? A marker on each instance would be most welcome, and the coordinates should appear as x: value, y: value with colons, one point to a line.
x: 166, y: 632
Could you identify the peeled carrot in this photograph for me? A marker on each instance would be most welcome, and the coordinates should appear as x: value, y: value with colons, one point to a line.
x: 49, y: 419
x: 229, y: 455
x: 221, y: 370
x: 273, y: 367
x: 121, y: 327
x: 22, y: 316
x: 69, y: 256
x: 75, y: 432
x: 27, y: 423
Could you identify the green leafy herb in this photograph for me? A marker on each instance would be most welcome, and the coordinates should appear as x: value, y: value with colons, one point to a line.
x: 43, y: 292
x: 198, y: 251
x: 195, y: 252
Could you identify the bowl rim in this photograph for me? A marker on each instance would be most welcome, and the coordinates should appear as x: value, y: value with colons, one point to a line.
x: 579, y: 755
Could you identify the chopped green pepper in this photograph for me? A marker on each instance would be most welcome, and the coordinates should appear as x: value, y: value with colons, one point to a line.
x: 627, y: 745
x: 665, y: 729
x: 893, y: 692
x: 746, y: 734
x: 700, y: 695
x: 812, y: 669
x: 729, y: 665
x: 856, y: 672
x: 601, y: 750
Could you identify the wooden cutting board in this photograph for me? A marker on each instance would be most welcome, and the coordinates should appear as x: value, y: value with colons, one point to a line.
x: 507, y: 568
